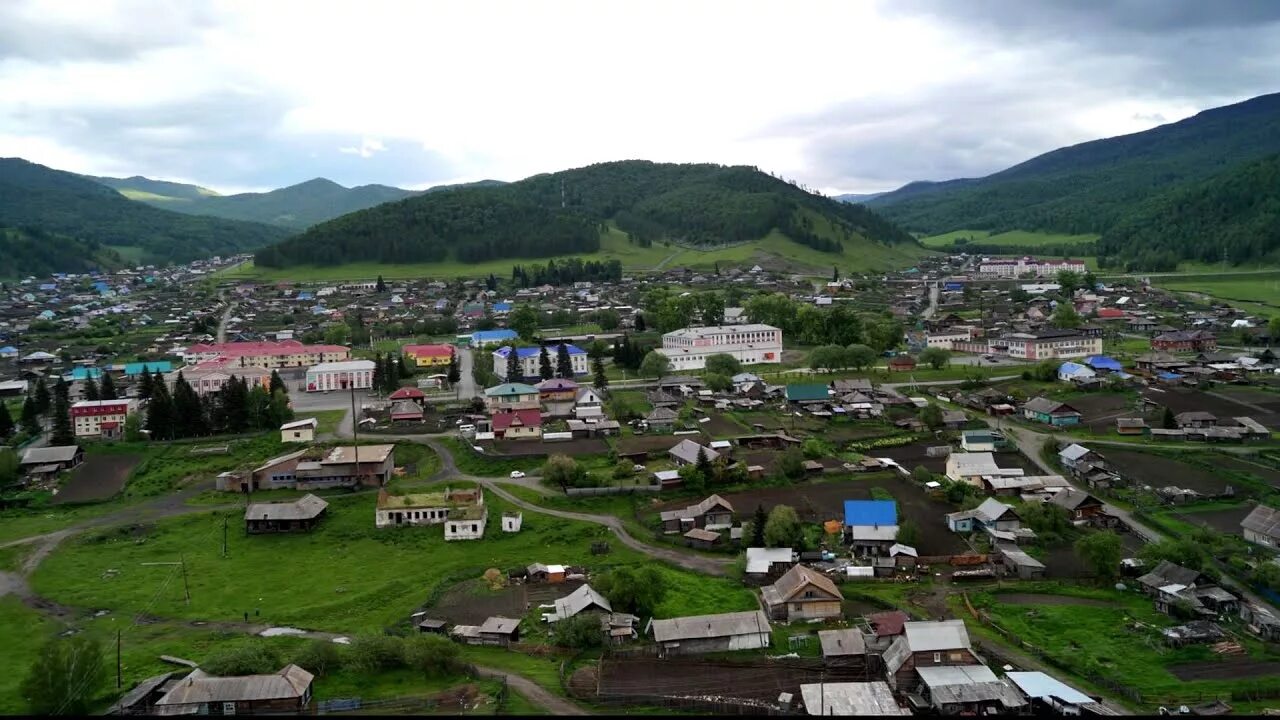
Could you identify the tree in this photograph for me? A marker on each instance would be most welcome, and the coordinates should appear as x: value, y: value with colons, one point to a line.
x: 711, y: 308
x: 1182, y: 551
x: 637, y: 590
x: 757, y: 526
x: 30, y: 419
x: 402, y: 369
x: 640, y: 327
x: 9, y: 467
x: 828, y: 357
x: 564, y: 363
x: 608, y: 320
x: 6, y: 421
x: 319, y: 657
x: 337, y: 334
x: 835, y: 274
x: 600, y: 380
x: 1273, y: 329
x: 1167, y: 419
x: 704, y: 463
x: 580, y: 632
x: 717, y: 382
x: 454, y: 374
x: 132, y: 427
x: 524, y: 320
x: 432, y: 655
x: 791, y: 463
x: 44, y: 402
x: 931, y: 415
x: 144, y: 384
x: 655, y: 365
x: 91, y: 389
x: 381, y: 287
x: 513, y: 364
x: 254, y: 658
x: 545, y: 370
x: 783, y: 528
x: 1069, y: 280
x: 860, y: 356
x: 935, y: 357
x: 723, y: 364
x: 160, y: 416
x: 692, y: 479
x: 1065, y: 316
x: 188, y: 412
x: 908, y: 533
x: 277, y: 383
x: 66, y: 677
x: 107, y: 391
x: 62, y: 433
x: 563, y: 471
x: 1102, y: 552
x: 379, y: 380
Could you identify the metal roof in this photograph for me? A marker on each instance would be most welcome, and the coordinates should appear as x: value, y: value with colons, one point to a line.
x: 700, y: 627
x: 760, y: 559
x: 304, y: 508
x: 499, y: 625
x: 839, y: 643
x: 850, y: 698
x: 1262, y: 520
x: 577, y: 601
x: 200, y: 687
x: 927, y: 636
x: 943, y: 675
x: 870, y: 512
x: 46, y: 455
x: 1039, y: 685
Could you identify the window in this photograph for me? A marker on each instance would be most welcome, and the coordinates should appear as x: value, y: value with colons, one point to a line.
x: 937, y: 657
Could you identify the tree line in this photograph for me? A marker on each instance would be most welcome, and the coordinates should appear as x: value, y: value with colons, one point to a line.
x: 566, y: 272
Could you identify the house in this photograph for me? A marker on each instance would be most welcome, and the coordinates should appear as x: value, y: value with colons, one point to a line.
x: 802, y: 594
x: 1173, y: 586
x: 999, y: 520
x: 1185, y: 341
x: 845, y: 648
x: 537, y: 572
x: 972, y: 467
x: 509, y: 397
x: 557, y: 396
x: 887, y: 624
x: 1076, y: 456
x: 983, y: 441
x: 1020, y: 563
x: 870, y: 526
x: 299, y: 431
x: 1073, y: 372
x: 701, y: 539
x: 1048, y: 695
x: 423, y: 508
x: 517, y: 425
x: 926, y: 644
x: 808, y: 393
x: 1131, y: 426
x: 902, y: 363
x: 101, y: 418
x: 1261, y: 621
x: 954, y: 419
x: 661, y: 418
x: 411, y: 394
x: 496, y: 630
x: 466, y: 522
x: 1261, y: 526
x: 964, y: 690
x: 847, y: 699
x: 686, y: 452
x: 1195, y: 419
x: 711, y: 633
x: 584, y: 599
x: 49, y: 461
x: 429, y: 355
x: 301, y: 515
x: 199, y: 693
x: 1102, y: 363
x: 713, y: 513
x: 1051, y: 412
x: 480, y: 338
x: 768, y: 562
x: 405, y: 411
x: 1078, y: 503
x: 588, y: 404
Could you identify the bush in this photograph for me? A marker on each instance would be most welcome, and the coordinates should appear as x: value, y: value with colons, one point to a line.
x: 255, y: 658
x: 374, y: 653
x: 623, y: 470
x: 580, y: 632
x: 791, y: 463
x: 319, y: 657
x: 432, y: 655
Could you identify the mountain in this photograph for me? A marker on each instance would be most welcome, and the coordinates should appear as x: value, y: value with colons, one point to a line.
x: 32, y: 251
x: 857, y: 197
x: 87, y: 217
x: 1235, y: 214
x: 296, y: 207
x: 566, y: 212
x: 1093, y: 187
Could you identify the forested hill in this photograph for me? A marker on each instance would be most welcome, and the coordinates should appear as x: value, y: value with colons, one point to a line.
x: 43, y: 201
x: 1234, y: 215
x: 1093, y: 187
x: 562, y: 213
x: 296, y: 207
x: 32, y: 251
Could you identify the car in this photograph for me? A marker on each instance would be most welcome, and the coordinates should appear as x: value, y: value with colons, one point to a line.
x: 517, y: 473
x: 637, y: 468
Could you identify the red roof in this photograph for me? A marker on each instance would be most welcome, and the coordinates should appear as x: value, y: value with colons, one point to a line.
x: 407, y: 393
x: 1110, y: 313
x: 528, y: 418
x: 282, y: 347
x: 428, y: 350
x: 888, y: 623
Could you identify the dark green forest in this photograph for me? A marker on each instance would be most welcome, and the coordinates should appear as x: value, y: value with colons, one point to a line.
x: 32, y: 251
x: 1106, y: 185
x: 60, y: 203
x: 562, y: 213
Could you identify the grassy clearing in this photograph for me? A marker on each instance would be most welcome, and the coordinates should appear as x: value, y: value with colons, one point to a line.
x: 24, y: 631
x: 328, y: 420
x: 1017, y: 238
x: 17, y: 524
x: 471, y: 462
x: 1259, y: 289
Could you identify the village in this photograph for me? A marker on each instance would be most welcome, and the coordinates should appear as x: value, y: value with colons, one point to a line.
x: 976, y: 486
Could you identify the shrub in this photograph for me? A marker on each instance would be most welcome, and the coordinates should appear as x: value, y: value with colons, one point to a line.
x: 318, y: 657
x: 432, y: 655
x: 580, y: 632
x: 374, y: 653
x: 254, y: 658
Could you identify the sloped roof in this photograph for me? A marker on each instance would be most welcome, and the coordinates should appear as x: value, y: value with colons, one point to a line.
x: 927, y: 636
x: 793, y: 581
x: 710, y: 626
x: 304, y: 508
x: 850, y: 699
x: 1262, y: 520
x: 840, y: 643
x: 1071, y: 498
x: 200, y: 687
x: 760, y: 559
x: 1039, y: 685
x: 45, y: 455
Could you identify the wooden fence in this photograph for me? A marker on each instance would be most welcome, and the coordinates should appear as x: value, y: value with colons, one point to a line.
x: 612, y: 490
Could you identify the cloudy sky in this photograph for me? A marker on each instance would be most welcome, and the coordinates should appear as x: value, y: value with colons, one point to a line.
x: 843, y: 96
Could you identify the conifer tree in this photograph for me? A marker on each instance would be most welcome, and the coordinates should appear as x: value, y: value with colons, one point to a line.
x: 145, y: 385
x: 513, y: 365
x: 160, y: 417
x: 379, y: 372
x: 277, y: 383
x: 6, y: 421
x: 30, y: 418
x: 544, y: 365
x: 61, y: 433
x: 564, y: 363
x: 91, y: 389
x: 44, y: 401
x: 454, y: 373
x: 601, y: 380
x: 107, y: 391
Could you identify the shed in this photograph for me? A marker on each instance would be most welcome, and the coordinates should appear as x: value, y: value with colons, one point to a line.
x: 850, y: 699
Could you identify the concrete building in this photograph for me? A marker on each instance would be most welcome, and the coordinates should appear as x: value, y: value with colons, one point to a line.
x: 751, y: 344
x: 299, y: 431
x: 326, y: 377
x: 282, y: 354
x: 429, y: 355
x: 101, y: 418
x: 427, y: 508
x: 1017, y: 267
x: 211, y: 377
x: 530, y: 359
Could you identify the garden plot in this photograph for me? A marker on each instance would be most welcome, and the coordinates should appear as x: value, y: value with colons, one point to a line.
x: 1159, y: 471
x: 1100, y: 410
x: 655, y: 443
x: 1221, y: 405
x: 572, y: 448
x: 1226, y: 520
x: 1227, y: 668
x: 99, y: 477
x: 472, y: 602
x: 761, y: 681
x: 1269, y: 475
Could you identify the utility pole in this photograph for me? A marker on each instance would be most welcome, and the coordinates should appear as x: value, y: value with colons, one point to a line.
x: 186, y: 588
x: 119, y: 680
x: 224, y: 536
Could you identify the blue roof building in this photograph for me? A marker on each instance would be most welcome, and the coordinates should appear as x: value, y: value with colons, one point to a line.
x: 484, y: 337
x: 526, y: 352
x: 136, y: 368
x: 870, y: 513
x: 502, y: 307
x: 8, y: 351
x: 83, y: 373
x: 1102, y: 362
x: 1069, y: 371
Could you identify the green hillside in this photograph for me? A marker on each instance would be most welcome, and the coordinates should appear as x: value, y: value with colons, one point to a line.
x: 32, y: 251
x: 161, y: 192
x: 1099, y: 186
x: 38, y: 199
x: 566, y: 213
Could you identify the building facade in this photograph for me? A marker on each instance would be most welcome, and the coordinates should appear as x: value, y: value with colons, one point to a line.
x: 429, y: 355
x: 282, y: 354
x: 1017, y: 267
x: 1040, y: 345
x: 751, y: 344
x: 531, y: 358
x: 356, y: 374
x: 206, y: 380
x: 101, y: 418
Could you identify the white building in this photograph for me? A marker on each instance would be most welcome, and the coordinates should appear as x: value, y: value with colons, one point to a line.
x: 751, y: 344
x: 971, y: 467
x: 299, y: 431
x: 945, y: 338
x: 512, y: 521
x: 466, y: 523
x: 101, y: 418
x: 428, y: 508
x: 1017, y: 267
x: 356, y: 374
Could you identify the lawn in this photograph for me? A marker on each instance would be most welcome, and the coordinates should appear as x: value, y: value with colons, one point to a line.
x: 328, y: 420
x: 1016, y: 238
x: 471, y: 462
x: 165, y: 466
x: 1262, y: 289
x: 24, y: 630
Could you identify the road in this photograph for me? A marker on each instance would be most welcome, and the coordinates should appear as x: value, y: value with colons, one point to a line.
x: 934, y: 292
x: 466, y: 381
x: 226, y: 315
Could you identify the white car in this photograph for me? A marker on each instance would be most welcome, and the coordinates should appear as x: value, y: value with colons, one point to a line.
x: 517, y: 473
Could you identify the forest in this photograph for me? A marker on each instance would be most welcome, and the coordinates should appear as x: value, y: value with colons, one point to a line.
x: 562, y: 213
x: 32, y: 251
x: 565, y: 272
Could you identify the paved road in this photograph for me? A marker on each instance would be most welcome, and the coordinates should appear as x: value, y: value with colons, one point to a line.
x: 466, y: 382
x: 226, y: 315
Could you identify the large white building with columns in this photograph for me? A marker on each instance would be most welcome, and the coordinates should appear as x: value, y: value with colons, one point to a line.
x: 751, y: 344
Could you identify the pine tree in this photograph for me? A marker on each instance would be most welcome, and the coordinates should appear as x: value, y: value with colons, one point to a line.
x: 381, y: 287
x: 757, y: 527
x: 160, y: 418
x: 544, y: 365
x: 835, y: 274
x: 454, y: 374
x: 379, y: 372
x: 513, y: 365
x: 44, y: 401
x: 258, y: 407
x: 564, y: 363
x: 235, y: 405
x: 108, y: 388
x: 30, y: 417
x: 144, y: 385
x: 187, y: 410
x: 91, y: 389
x: 640, y: 322
x: 704, y: 464
x: 277, y: 383
x: 279, y: 410
x: 401, y: 368
x: 601, y: 380
x: 392, y: 374
x: 61, y: 433
x: 6, y: 421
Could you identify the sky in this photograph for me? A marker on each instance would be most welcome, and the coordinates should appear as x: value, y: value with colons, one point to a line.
x: 852, y: 96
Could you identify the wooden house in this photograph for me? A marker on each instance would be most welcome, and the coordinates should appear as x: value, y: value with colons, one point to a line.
x: 802, y: 594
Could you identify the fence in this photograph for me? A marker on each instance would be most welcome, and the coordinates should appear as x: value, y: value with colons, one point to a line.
x: 613, y: 490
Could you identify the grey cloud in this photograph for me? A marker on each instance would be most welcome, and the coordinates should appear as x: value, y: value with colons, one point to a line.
x: 46, y: 33
x: 1075, y: 19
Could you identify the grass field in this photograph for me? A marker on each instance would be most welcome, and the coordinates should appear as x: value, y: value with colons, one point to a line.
x: 1017, y: 238
x: 1261, y: 290
x: 774, y: 251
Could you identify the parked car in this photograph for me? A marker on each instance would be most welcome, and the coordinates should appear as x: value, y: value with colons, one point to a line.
x: 517, y: 473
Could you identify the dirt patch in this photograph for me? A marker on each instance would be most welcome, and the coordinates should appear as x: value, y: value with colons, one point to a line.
x: 470, y: 602
x: 1159, y: 471
x: 1100, y: 410
x: 1042, y: 599
x: 654, y: 444
x: 692, y: 678
x: 526, y: 448
x: 99, y: 477
x: 719, y: 426
x: 1179, y: 400
x: 1225, y: 521
x: 1229, y: 668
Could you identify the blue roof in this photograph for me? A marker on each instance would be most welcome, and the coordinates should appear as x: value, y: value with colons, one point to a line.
x: 1070, y: 367
x: 1102, y: 362
x: 83, y: 373
x: 1168, y: 376
x: 870, y: 512
x: 8, y: 349
x: 493, y: 335
x: 135, y: 368
x: 502, y: 306
x: 525, y: 352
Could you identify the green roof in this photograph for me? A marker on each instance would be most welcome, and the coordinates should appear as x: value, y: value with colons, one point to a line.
x: 807, y: 391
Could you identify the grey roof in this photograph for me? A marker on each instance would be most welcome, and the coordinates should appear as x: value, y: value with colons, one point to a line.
x: 1264, y: 521
x: 200, y: 687
x: 850, y: 698
x: 926, y: 636
x: 698, y: 510
x: 896, y: 654
x: 581, y: 599
x: 1166, y: 573
x: 1070, y: 498
x: 759, y: 560
x: 687, y: 450
x: 1074, y: 451
x: 710, y: 626
x: 944, y: 675
x: 139, y: 692
x: 839, y: 643
x: 499, y: 625
x: 1047, y: 406
x: 1020, y: 558
x: 304, y: 508
x: 660, y: 414
x: 991, y: 510
x: 46, y: 455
